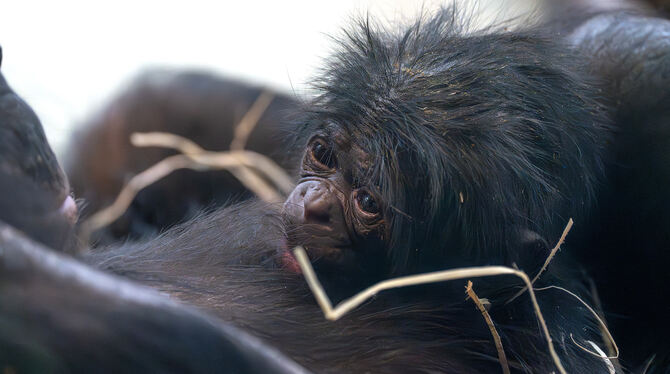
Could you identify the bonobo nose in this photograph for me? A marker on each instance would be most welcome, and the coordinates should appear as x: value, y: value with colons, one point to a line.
x: 311, y: 202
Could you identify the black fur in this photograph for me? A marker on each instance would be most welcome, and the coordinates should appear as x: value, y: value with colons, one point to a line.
x: 419, y: 330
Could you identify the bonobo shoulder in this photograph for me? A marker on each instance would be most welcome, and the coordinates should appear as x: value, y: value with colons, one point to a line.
x: 632, y: 51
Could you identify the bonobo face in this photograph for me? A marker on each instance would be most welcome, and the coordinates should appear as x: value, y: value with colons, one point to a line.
x: 333, y: 212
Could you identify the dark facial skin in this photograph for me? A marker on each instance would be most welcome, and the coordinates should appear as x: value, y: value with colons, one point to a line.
x: 335, y: 215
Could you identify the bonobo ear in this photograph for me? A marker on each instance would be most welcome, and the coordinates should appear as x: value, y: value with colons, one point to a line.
x: 0, y: 56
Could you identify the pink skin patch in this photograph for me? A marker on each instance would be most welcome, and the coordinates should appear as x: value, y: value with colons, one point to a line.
x: 69, y: 209
x: 289, y: 262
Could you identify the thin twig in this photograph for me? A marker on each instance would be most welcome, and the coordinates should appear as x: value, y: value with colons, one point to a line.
x: 547, y: 261
x: 234, y: 162
x: 250, y: 168
x: 494, y: 333
x: 264, y: 165
x: 438, y: 276
x: 109, y: 214
x: 250, y: 120
x: 604, y: 329
x: 165, y: 140
x: 252, y: 160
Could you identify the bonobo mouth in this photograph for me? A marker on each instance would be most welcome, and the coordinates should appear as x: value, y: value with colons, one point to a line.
x: 322, y: 248
x: 318, y: 226
x: 313, y: 217
x: 287, y: 260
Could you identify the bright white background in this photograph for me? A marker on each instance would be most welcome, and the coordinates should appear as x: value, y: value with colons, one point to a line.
x: 66, y: 58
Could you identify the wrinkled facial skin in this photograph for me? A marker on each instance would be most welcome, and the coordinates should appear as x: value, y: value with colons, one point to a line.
x: 333, y: 213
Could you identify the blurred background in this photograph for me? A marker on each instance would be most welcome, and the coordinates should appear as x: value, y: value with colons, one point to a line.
x: 68, y: 58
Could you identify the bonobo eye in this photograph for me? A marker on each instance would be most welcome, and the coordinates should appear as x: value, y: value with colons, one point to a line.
x: 366, y: 202
x: 322, y: 153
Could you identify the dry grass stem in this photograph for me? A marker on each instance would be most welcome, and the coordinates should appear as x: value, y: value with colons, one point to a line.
x: 603, y: 326
x: 211, y: 160
x: 438, y: 276
x: 548, y: 260
x: 165, y: 140
x: 604, y: 329
x: 494, y: 333
x: 249, y: 159
x: 247, y: 124
x: 109, y: 214
x: 608, y: 362
x: 252, y: 169
x: 253, y: 161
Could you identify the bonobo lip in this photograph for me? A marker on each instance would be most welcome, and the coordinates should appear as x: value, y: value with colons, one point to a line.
x: 287, y: 260
x: 318, y: 254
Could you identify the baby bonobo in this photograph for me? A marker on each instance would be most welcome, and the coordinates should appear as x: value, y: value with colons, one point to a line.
x: 424, y: 154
